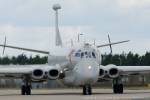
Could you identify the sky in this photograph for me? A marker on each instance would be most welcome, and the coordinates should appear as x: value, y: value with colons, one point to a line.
x: 30, y: 23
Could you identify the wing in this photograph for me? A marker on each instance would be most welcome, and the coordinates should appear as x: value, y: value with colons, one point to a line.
x: 19, y: 71
x: 112, y: 71
x: 32, y: 72
x: 114, y: 43
x: 109, y: 72
x: 133, y: 70
x: 26, y: 49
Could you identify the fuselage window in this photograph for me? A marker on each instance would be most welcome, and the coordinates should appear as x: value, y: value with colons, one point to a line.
x: 93, y: 54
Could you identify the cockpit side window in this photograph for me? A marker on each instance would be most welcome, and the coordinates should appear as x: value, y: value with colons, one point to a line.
x: 77, y: 54
x: 93, y: 54
x: 85, y: 53
x: 82, y: 55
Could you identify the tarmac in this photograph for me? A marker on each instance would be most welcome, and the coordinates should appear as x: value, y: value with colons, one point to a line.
x: 74, y: 94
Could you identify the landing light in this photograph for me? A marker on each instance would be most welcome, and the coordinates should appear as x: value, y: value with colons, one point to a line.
x: 61, y: 71
x: 89, y: 67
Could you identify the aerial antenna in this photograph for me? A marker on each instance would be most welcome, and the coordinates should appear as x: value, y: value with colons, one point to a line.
x: 79, y: 36
x: 4, y: 46
x: 72, y: 43
x: 110, y: 45
x: 94, y: 42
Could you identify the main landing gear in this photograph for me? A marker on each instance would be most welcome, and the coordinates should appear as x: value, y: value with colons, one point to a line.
x: 26, y: 87
x: 87, y: 90
x: 117, y: 86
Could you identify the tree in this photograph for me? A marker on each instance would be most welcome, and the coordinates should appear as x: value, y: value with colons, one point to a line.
x: 123, y: 59
x: 22, y: 59
x: 145, y: 59
x: 5, y: 60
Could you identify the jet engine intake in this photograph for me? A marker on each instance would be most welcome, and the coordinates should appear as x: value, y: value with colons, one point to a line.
x: 101, y: 73
x: 53, y: 74
x: 113, y: 72
x: 38, y: 74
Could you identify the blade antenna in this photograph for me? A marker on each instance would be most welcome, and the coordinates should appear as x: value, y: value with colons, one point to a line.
x: 110, y: 44
x: 4, y: 46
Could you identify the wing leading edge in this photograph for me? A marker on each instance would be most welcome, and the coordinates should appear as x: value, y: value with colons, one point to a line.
x: 133, y: 70
x: 25, y: 49
x: 114, y: 43
x: 19, y: 70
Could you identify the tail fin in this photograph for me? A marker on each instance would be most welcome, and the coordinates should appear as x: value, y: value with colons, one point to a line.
x: 58, y: 38
x: 58, y: 41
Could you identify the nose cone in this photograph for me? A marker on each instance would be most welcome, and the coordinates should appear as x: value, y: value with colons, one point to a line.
x: 87, y: 70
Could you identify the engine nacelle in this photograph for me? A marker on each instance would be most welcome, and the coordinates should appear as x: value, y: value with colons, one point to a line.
x: 38, y: 74
x: 54, y: 72
x: 113, y: 72
x: 101, y: 73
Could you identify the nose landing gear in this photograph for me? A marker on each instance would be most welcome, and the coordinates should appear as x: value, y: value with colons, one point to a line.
x: 87, y: 90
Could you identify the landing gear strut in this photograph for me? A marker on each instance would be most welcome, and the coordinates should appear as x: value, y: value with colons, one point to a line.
x: 87, y: 90
x: 117, y: 86
x: 26, y: 87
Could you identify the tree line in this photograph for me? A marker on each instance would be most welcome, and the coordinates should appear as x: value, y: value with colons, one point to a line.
x: 22, y: 59
x: 129, y: 59
x: 124, y: 59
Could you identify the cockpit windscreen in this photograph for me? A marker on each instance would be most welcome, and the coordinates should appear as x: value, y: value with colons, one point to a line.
x: 85, y: 54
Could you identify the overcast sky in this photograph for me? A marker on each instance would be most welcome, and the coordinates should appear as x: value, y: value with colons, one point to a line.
x: 30, y: 23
